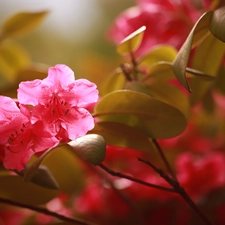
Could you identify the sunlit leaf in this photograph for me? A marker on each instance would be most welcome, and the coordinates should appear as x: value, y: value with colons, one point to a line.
x: 197, y: 34
x: 22, y: 23
x: 212, y: 51
x: 42, y: 177
x: 159, y: 53
x: 91, y: 147
x: 15, y: 188
x: 131, y: 42
x: 154, y: 118
x: 121, y: 135
x: 217, y: 23
x: 112, y: 82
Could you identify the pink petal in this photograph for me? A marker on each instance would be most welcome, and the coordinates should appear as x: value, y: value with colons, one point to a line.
x: 29, y: 92
x: 59, y: 75
x: 77, y: 123
x: 82, y: 93
x: 11, y: 118
x: 17, y: 160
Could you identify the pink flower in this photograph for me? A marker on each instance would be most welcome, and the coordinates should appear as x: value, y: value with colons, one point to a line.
x: 201, y: 175
x: 19, y: 138
x: 167, y: 22
x: 61, y: 102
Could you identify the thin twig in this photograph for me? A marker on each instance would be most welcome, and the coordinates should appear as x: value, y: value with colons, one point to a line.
x: 45, y: 211
x: 121, y: 175
x: 164, y: 159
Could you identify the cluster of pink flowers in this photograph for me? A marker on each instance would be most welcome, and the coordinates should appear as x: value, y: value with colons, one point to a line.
x: 45, y: 113
x: 167, y: 22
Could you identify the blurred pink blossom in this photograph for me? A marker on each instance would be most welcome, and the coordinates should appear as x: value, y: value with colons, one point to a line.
x: 167, y: 22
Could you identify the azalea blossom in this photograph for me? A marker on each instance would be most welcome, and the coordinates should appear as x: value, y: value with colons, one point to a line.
x: 19, y: 138
x: 61, y: 102
x: 167, y: 22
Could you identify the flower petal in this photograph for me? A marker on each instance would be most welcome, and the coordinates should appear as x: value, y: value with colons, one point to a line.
x: 59, y: 75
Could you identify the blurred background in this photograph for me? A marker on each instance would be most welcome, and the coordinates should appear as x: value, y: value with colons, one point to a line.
x: 73, y: 33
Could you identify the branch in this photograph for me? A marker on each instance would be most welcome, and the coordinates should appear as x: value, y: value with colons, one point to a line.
x: 180, y: 190
x: 164, y: 159
x: 121, y: 175
x: 45, y: 211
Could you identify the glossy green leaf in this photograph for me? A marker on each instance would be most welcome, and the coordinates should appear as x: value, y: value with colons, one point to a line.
x: 131, y: 42
x: 154, y: 118
x: 217, y: 23
x: 212, y: 51
x: 65, y: 171
x: 159, y: 53
x: 197, y: 34
x: 22, y: 23
x: 91, y: 147
x: 30, y: 172
x: 121, y: 135
x: 12, y: 59
x: 15, y: 188
x: 112, y: 82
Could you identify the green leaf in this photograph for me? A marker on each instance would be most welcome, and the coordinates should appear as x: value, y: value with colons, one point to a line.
x: 66, y: 169
x: 212, y: 51
x: 164, y: 71
x: 91, y: 147
x: 171, y: 95
x: 121, y: 135
x: 154, y: 118
x: 158, y: 53
x: 30, y: 172
x: 198, y: 33
x: 16, y: 189
x: 217, y: 23
x: 131, y: 42
x: 22, y: 23
x: 42, y: 177
x: 137, y: 86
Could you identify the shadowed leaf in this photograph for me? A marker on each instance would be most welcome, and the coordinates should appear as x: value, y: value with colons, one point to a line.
x: 42, y: 177
x: 15, y: 188
x: 197, y: 34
